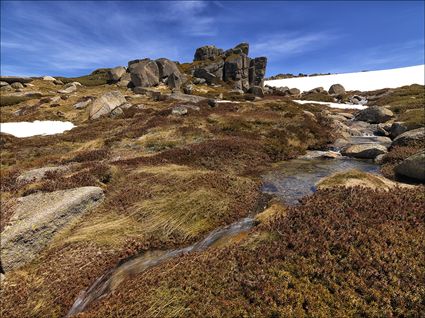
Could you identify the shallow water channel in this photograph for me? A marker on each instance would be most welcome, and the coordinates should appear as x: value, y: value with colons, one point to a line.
x: 289, y: 181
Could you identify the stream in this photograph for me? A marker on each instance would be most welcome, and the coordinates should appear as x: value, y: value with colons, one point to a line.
x: 289, y: 181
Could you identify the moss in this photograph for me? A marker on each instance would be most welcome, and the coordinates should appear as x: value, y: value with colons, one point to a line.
x: 414, y: 118
x: 403, y: 98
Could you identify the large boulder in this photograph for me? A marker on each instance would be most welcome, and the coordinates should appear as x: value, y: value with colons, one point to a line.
x: 364, y: 151
x: 17, y: 85
x: 413, y: 167
x: 257, y: 71
x: 236, y: 70
x: 256, y: 90
x: 167, y: 67
x: 174, y: 81
x: 336, y: 89
x: 36, y: 220
x: 208, y: 52
x: 375, y: 115
x: 105, y: 104
x: 241, y: 48
x: 144, y: 73
x: 115, y: 74
x: 411, y: 136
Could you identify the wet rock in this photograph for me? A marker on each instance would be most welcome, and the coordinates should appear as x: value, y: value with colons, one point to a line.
x: 375, y: 115
x: 17, y: 85
x: 105, y: 104
x: 144, y: 73
x: 36, y: 220
x: 413, y: 167
x: 415, y: 135
x: 364, y: 151
x: 256, y: 91
x: 115, y: 74
x: 337, y: 89
x: 379, y: 159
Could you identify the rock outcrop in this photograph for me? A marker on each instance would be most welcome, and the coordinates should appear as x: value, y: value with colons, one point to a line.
x: 375, y: 115
x: 232, y: 66
x: 38, y: 217
x: 413, y: 167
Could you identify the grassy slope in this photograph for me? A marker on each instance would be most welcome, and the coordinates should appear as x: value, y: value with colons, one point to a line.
x: 168, y: 181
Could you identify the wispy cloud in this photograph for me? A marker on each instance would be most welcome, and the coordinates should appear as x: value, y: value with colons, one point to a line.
x: 292, y: 43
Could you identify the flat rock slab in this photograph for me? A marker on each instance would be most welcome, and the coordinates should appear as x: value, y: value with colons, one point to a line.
x: 13, y: 79
x: 364, y: 151
x: 38, y: 217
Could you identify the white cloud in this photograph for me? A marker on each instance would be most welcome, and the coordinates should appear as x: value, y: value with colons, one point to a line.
x: 287, y: 44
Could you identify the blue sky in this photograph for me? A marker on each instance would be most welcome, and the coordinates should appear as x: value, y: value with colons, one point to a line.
x: 73, y: 38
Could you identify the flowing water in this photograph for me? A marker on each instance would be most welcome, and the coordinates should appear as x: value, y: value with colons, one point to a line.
x: 289, y: 181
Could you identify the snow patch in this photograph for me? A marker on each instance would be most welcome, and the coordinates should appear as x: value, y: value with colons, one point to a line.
x: 331, y: 105
x: 362, y: 81
x: 28, y: 129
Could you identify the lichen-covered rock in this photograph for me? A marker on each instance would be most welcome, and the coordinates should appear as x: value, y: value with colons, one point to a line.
x: 413, y: 167
x: 38, y: 217
x: 415, y: 135
x: 236, y: 70
x: 375, y: 115
x: 174, y: 80
x: 144, y: 73
x: 105, y: 104
x: 17, y: 85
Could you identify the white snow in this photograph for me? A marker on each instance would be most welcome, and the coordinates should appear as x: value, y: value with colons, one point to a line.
x: 331, y: 105
x: 362, y: 81
x: 28, y: 129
